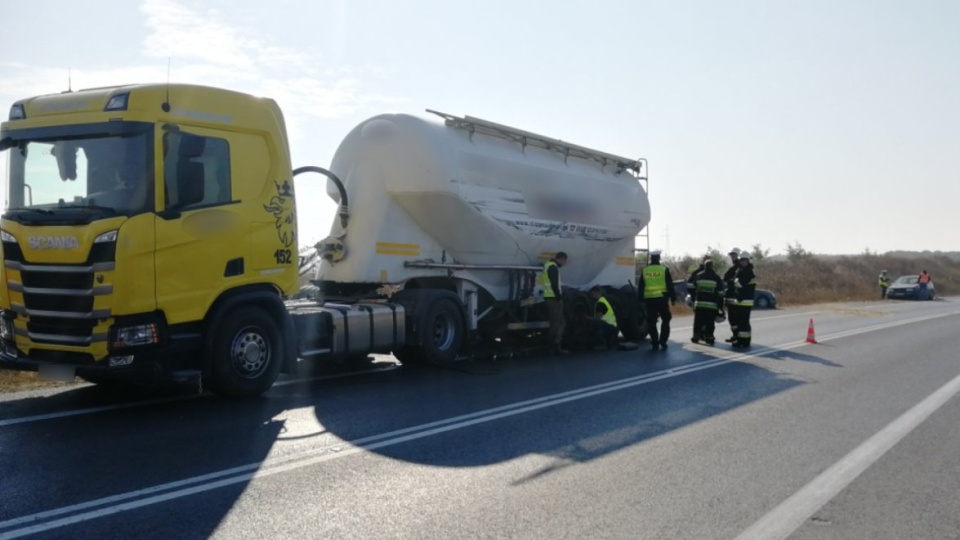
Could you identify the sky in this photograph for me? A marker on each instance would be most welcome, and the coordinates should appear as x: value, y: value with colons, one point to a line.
x: 830, y: 125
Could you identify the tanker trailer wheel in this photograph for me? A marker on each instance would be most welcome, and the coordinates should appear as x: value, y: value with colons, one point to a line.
x: 634, y: 320
x: 247, y: 353
x: 442, y: 331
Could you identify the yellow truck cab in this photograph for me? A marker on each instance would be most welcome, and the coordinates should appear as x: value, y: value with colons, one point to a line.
x: 149, y: 230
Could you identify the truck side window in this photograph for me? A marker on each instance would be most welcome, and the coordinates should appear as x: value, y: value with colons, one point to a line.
x: 196, y: 170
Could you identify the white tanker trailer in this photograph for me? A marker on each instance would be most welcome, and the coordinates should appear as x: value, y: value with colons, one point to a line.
x: 453, y: 220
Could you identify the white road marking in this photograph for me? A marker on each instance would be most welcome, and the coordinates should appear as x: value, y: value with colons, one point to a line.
x: 90, y: 410
x: 107, y: 408
x: 786, y: 518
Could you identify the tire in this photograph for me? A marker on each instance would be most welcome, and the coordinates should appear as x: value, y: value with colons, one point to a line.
x: 630, y: 316
x: 436, y: 326
x: 763, y: 302
x: 248, y: 350
x: 442, y: 331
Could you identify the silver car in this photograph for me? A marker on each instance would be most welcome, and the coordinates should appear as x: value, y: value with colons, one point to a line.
x: 908, y: 288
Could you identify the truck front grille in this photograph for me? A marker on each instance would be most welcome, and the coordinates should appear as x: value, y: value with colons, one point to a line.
x: 58, y: 299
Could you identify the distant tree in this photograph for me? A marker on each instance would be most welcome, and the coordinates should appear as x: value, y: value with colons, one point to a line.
x: 795, y: 252
x: 759, y: 254
x: 868, y: 253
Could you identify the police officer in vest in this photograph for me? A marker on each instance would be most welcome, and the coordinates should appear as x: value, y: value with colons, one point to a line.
x: 884, y: 282
x: 549, y: 283
x: 655, y: 289
x: 604, y: 320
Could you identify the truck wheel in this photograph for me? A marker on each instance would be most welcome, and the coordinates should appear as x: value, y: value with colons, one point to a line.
x: 247, y: 353
x: 443, y: 331
x: 630, y: 317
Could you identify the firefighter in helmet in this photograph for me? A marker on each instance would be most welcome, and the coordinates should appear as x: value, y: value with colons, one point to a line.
x: 745, y: 283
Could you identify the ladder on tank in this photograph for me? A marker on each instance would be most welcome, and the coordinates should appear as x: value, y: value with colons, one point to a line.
x: 525, y: 138
x: 641, y: 245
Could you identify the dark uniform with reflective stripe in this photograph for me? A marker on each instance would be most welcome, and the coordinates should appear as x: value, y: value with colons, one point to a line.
x: 746, y: 285
x: 706, y: 289
x: 730, y: 299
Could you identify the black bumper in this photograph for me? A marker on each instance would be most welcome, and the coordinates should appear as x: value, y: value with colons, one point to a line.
x: 160, y: 362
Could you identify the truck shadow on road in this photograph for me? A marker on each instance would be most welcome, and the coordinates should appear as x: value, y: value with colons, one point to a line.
x: 573, y: 409
x: 565, y: 410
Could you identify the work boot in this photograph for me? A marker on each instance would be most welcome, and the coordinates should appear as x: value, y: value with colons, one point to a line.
x: 695, y: 340
x: 663, y: 345
x: 731, y: 339
x: 654, y: 346
x: 709, y: 341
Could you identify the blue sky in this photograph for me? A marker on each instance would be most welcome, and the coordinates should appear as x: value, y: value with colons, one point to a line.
x: 832, y: 124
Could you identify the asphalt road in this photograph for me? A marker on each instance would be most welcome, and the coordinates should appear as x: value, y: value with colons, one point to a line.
x: 853, y: 437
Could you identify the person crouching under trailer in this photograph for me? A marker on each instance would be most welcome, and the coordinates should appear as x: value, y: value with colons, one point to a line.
x: 604, y: 321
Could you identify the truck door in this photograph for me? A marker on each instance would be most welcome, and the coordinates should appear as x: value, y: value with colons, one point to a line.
x: 200, y: 234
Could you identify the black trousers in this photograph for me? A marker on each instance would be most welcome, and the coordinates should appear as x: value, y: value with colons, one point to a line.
x: 658, y: 308
x: 883, y: 292
x: 731, y: 317
x: 704, y: 323
x: 740, y: 320
x: 605, y: 334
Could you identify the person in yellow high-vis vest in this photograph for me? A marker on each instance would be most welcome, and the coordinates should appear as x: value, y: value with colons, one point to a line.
x: 604, y: 320
x: 655, y: 288
x: 549, y: 283
x: 884, y: 282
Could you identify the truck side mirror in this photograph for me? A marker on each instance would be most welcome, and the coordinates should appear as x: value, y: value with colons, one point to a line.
x: 190, y: 183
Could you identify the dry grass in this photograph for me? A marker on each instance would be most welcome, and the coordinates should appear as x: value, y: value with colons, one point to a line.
x: 833, y: 279
x: 12, y: 381
x: 826, y: 278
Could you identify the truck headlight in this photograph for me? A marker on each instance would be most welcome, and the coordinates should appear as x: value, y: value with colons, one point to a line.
x: 118, y: 102
x: 7, y: 237
x: 109, y: 236
x: 17, y: 112
x: 6, y: 328
x: 133, y: 336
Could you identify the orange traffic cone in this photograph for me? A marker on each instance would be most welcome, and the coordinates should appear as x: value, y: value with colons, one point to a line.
x: 811, y: 338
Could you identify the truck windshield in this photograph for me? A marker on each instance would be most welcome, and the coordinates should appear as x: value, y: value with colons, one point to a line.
x: 77, y: 175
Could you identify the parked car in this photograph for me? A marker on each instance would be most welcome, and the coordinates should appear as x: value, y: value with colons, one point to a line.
x: 762, y: 298
x: 908, y: 288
